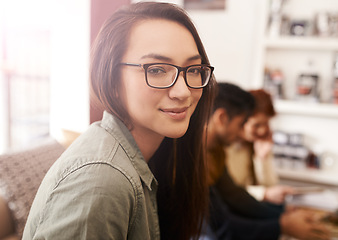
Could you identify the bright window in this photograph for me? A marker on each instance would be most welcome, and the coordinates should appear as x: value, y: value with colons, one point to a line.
x: 24, y: 73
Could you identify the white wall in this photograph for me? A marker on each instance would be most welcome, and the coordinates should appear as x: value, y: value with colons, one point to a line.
x: 70, y: 66
x: 230, y: 40
x: 3, y: 97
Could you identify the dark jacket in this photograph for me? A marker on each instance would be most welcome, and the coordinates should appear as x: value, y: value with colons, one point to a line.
x: 236, y: 215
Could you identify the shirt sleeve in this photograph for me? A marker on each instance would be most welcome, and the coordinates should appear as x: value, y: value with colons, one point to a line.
x: 257, y: 191
x: 265, y: 171
x: 241, y: 202
x: 94, y: 202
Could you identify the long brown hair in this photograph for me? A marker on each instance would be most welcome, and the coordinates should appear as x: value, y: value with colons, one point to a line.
x: 263, y: 102
x: 178, y: 164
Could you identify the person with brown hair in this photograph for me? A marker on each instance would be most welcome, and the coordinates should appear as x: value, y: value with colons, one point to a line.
x: 249, y: 161
x: 234, y: 213
x: 152, y: 75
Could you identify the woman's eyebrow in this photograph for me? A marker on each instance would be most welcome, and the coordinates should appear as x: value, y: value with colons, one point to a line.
x: 196, y: 57
x: 168, y: 59
x: 156, y: 56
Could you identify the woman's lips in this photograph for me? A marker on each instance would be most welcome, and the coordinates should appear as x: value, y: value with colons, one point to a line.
x: 176, y: 113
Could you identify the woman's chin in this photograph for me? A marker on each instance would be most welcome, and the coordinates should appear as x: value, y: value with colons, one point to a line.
x: 177, y: 133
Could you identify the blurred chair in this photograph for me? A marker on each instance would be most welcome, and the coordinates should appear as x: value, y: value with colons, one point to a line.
x: 20, y: 176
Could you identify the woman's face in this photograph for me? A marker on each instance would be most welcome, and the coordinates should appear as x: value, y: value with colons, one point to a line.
x: 159, y: 112
x: 257, y: 127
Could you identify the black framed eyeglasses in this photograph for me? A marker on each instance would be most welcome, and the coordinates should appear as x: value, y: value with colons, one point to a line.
x: 165, y: 75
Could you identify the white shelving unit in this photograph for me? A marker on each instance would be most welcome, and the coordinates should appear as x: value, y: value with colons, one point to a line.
x: 322, y: 110
x: 310, y: 176
x: 302, y: 43
x: 291, y: 54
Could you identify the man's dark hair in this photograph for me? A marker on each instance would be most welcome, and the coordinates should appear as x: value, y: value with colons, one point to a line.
x: 234, y: 100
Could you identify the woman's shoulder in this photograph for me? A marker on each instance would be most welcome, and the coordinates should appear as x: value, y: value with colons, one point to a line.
x: 101, y: 156
x: 83, y: 189
x: 109, y: 168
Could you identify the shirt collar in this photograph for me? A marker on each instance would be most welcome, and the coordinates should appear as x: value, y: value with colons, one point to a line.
x: 119, y: 130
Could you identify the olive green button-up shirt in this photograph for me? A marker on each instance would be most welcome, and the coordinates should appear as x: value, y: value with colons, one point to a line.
x: 100, y: 188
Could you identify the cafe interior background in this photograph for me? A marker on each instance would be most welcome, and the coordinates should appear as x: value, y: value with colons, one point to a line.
x: 288, y: 47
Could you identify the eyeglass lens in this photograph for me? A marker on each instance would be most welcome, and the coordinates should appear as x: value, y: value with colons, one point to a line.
x: 162, y: 75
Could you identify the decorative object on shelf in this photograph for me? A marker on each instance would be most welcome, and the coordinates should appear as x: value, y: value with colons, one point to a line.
x: 335, y: 81
x: 285, y: 26
x: 313, y: 160
x: 322, y: 24
x: 300, y: 28
x: 334, y: 25
x: 291, y: 152
x: 280, y: 140
x: 307, y: 85
x: 326, y: 24
x: 275, y: 21
x: 298, y: 152
x: 273, y: 83
x: 335, y: 91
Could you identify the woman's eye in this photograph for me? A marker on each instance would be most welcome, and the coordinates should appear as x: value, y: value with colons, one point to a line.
x: 195, y: 70
x: 156, y: 71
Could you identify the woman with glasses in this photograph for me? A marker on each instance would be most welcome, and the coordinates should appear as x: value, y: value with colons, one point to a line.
x: 139, y: 173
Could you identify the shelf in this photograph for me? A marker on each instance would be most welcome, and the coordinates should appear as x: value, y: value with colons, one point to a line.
x: 306, y: 108
x: 309, y: 175
x: 302, y: 43
x: 292, y: 55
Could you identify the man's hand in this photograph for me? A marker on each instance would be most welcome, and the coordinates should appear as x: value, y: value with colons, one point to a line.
x: 276, y: 194
x: 304, y: 225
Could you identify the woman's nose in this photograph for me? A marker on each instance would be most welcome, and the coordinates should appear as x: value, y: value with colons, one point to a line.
x: 180, y: 90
